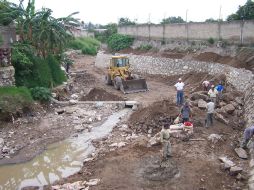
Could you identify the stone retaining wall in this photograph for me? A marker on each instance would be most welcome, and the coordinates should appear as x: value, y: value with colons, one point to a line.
x: 249, y: 117
x: 7, y: 76
x: 239, y: 78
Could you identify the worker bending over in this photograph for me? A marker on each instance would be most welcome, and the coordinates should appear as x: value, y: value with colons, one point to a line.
x: 247, y: 135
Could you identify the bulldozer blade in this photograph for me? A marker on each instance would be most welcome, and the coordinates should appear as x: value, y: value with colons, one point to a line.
x: 133, y: 86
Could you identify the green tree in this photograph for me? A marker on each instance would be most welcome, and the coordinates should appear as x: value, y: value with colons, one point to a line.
x: 9, y: 12
x: 245, y: 12
x: 125, y: 22
x: 118, y: 42
x: 110, y: 30
x: 47, y: 34
x: 172, y: 19
x: 211, y: 20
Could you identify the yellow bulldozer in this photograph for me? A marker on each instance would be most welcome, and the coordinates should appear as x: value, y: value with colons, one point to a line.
x: 120, y: 76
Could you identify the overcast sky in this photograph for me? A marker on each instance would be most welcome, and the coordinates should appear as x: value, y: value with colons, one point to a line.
x: 107, y: 11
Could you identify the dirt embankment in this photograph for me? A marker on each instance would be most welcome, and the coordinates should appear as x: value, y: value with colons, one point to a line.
x: 153, y: 117
x: 99, y: 94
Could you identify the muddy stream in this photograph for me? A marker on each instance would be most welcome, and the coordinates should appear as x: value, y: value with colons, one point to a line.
x: 59, y: 160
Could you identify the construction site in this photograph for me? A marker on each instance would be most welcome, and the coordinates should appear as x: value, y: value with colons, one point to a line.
x: 153, y: 95
x: 106, y: 139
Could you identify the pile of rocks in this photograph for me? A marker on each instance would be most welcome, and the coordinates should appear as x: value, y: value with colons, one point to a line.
x: 78, y: 185
x: 150, y: 119
x: 229, y: 110
x: 233, y: 169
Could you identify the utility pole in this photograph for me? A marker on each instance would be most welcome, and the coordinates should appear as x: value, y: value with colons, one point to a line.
x: 186, y: 26
x: 149, y: 25
x: 186, y: 16
x: 219, y: 24
x: 220, y: 13
x: 164, y: 28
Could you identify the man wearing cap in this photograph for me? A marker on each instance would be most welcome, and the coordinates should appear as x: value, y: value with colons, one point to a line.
x: 212, y: 93
x: 179, y: 88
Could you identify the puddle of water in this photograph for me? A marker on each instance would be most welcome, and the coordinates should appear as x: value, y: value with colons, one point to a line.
x: 60, y: 160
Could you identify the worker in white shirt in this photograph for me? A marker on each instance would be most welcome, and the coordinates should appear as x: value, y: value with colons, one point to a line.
x: 212, y: 93
x: 180, y: 95
x: 209, y: 114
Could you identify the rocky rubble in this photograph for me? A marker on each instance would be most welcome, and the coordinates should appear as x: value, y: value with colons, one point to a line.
x: 69, y: 120
x: 78, y: 185
x: 151, y: 119
x: 231, y: 166
x: 229, y: 110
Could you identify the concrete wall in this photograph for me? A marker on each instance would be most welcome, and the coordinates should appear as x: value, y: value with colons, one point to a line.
x: 235, y: 32
x: 8, y: 34
x: 82, y: 33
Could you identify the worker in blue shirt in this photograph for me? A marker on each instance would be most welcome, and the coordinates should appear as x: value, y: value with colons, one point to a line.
x: 219, y: 89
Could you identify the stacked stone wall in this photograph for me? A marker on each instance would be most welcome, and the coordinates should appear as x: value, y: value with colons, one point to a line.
x: 7, y: 76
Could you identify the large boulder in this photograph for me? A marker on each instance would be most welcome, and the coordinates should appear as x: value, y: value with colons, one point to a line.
x: 222, y: 104
x: 227, y: 97
x: 155, y: 140
x: 228, y: 108
x: 198, y: 95
x: 239, y: 100
x: 221, y: 118
x: 241, y: 153
x: 202, y: 104
x: 235, y: 170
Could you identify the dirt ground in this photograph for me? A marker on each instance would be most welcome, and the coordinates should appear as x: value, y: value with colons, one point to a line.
x: 196, y: 160
x: 125, y: 168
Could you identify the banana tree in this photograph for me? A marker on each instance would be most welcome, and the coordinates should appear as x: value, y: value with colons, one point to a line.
x: 47, y: 34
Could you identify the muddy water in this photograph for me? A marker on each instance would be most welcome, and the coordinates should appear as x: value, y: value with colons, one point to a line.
x: 59, y: 160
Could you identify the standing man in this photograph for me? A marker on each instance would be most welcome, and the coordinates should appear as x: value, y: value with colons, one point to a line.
x: 219, y: 89
x: 165, y: 134
x: 212, y: 93
x: 179, y: 88
x: 209, y: 115
x: 186, y: 112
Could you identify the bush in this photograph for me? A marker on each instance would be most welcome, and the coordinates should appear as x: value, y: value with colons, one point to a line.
x: 86, y: 45
x: 41, y: 94
x: 118, y: 42
x: 211, y: 41
x: 145, y: 47
x: 32, y: 71
x: 58, y: 75
x: 13, y: 100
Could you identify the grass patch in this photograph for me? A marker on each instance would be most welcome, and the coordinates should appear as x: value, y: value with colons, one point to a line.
x: 85, y: 44
x: 41, y: 72
x: 14, y: 100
